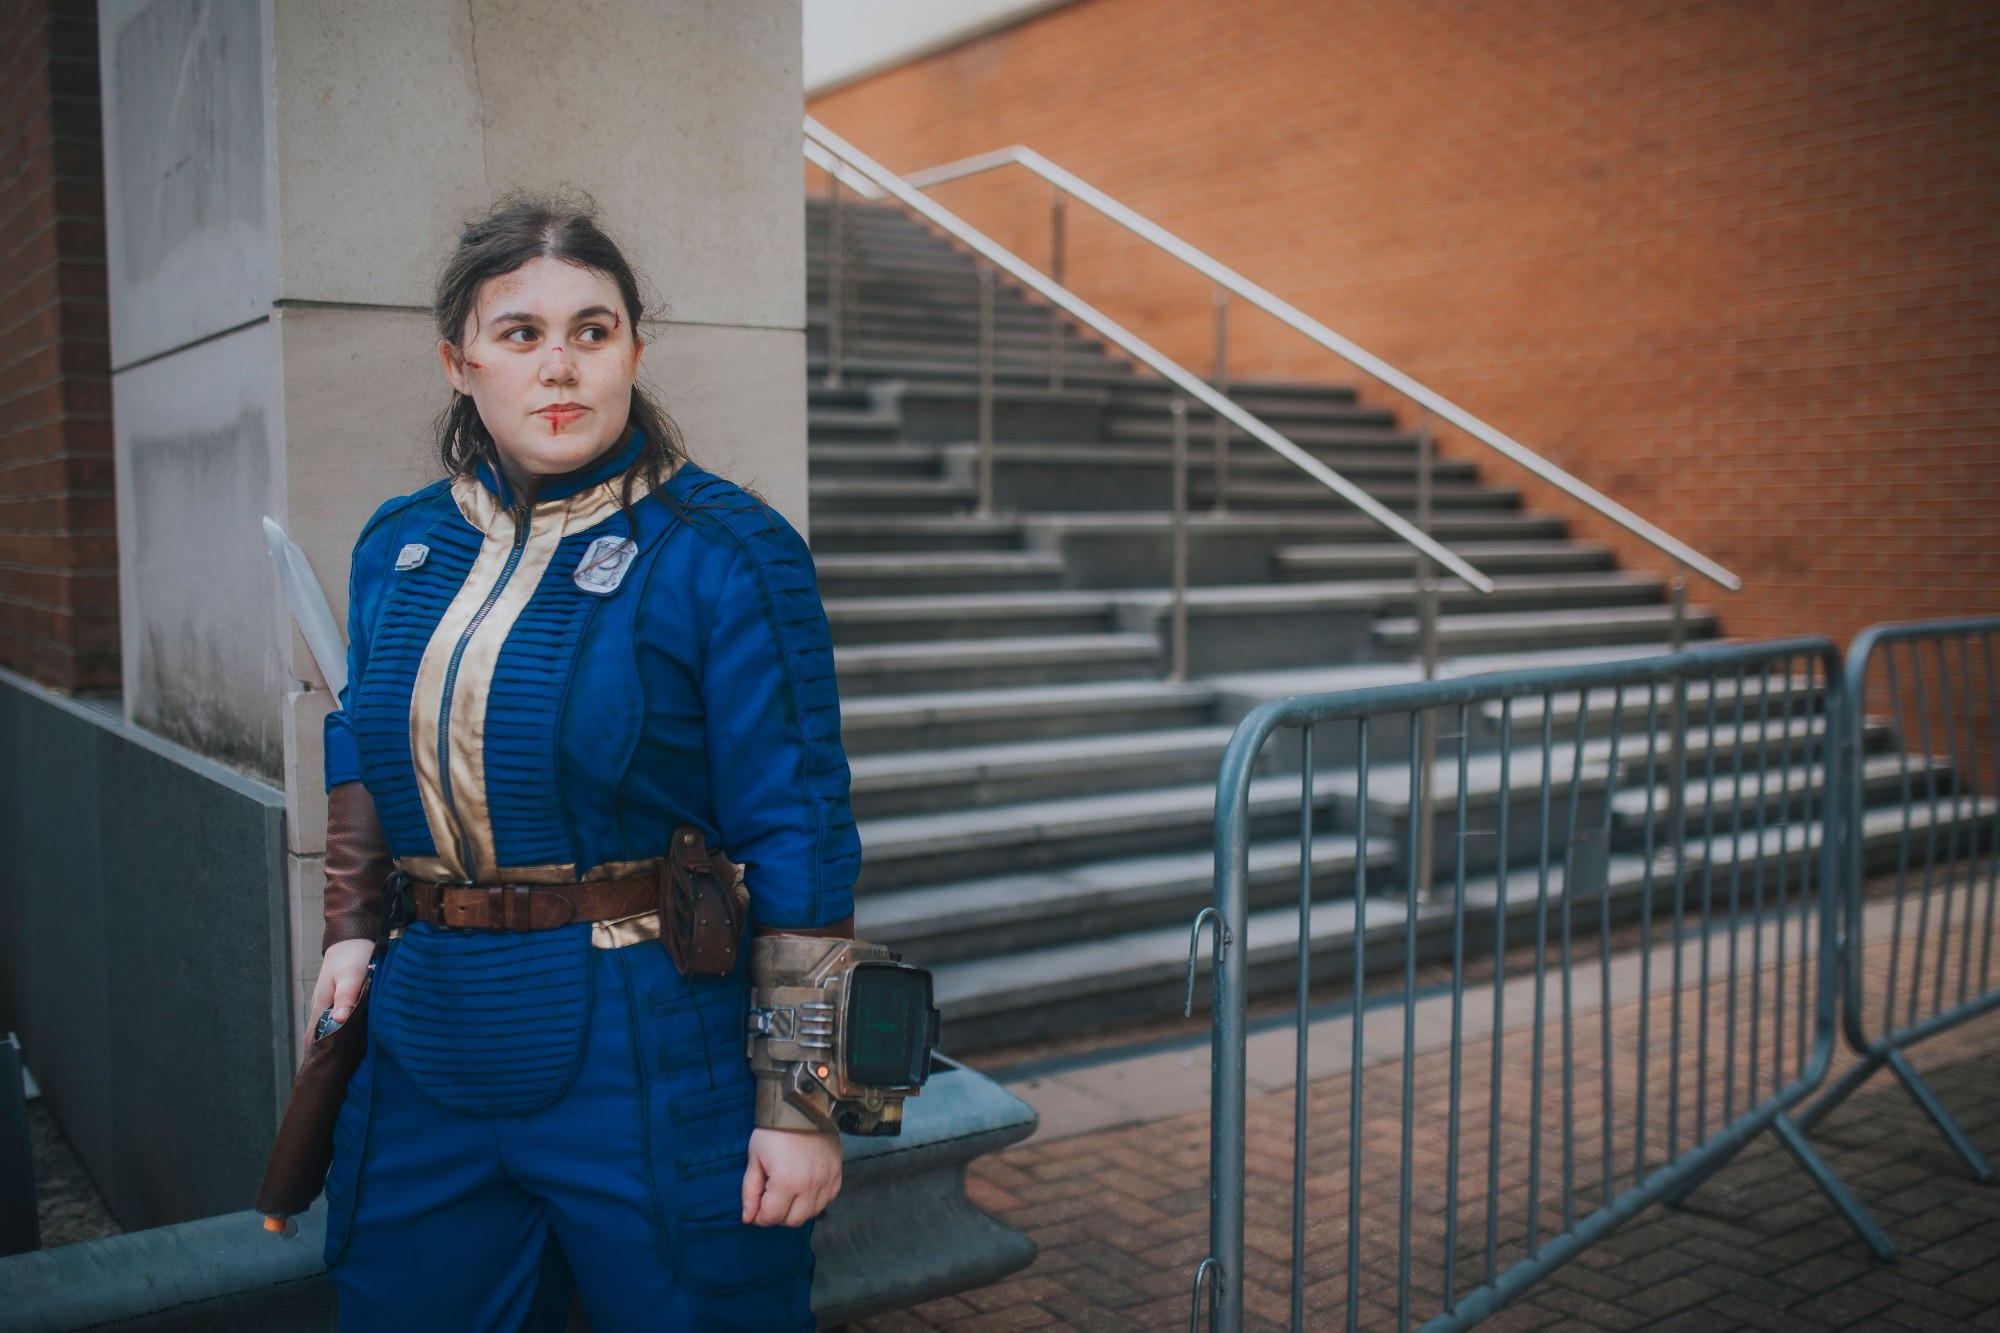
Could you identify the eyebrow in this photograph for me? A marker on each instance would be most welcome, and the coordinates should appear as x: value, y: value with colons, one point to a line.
x: 524, y: 317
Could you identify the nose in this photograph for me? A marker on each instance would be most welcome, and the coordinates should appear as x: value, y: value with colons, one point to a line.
x: 556, y: 366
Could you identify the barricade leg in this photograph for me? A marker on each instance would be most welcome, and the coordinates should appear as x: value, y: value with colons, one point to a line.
x: 1829, y: 1184
x: 1954, y: 1134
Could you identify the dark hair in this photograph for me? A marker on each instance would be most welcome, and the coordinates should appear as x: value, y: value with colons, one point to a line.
x: 524, y: 226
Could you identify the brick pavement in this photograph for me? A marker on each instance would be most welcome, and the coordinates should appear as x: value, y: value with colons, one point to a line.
x: 1120, y: 1214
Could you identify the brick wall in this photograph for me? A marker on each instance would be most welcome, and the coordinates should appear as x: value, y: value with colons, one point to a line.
x: 58, y: 553
x: 1735, y: 264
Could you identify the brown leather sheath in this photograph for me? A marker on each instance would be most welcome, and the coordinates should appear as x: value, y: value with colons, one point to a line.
x: 704, y: 906
x: 357, y: 868
x: 295, y: 1173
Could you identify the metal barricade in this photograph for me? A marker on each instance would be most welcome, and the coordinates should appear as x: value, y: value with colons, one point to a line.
x: 1538, y: 1087
x: 1921, y: 749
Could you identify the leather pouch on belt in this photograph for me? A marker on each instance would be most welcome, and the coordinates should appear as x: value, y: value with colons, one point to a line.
x: 704, y: 906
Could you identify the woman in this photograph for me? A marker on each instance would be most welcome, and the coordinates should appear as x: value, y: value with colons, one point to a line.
x: 575, y: 644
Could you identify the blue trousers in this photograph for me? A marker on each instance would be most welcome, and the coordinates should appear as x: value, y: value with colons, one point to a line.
x: 449, y: 1182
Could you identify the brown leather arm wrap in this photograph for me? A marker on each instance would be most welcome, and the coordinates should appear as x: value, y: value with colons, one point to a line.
x: 357, y: 865
x: 842, y: 929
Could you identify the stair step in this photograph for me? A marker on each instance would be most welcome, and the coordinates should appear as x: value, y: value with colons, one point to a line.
x: 1497, y: 630
x: 889, y: 495
x: 967, y: 615
x: 1154, y: 394
x: 1287, y: 494
x: 1778, y: 789
x: 1007, y: 772
x: 1376, y: 559
x: 826, y: 461
x: 875, y: 369
x: 1095, y: 983
x: 1338, y: 425
x: 901, y: 668
x: 1772, y: 698
x: 945, y: 719
x: 904, y: 851
x: 862, y: 573
x: 1511, y: 592
x: 847, y: 534
x: 1008, y: 913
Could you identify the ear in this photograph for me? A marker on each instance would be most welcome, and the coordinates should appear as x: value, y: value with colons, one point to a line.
x: 454, y: 366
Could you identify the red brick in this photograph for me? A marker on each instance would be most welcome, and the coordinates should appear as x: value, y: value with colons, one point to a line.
x: 1733, y: 266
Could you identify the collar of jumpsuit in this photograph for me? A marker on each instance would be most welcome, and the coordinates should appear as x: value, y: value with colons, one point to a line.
x: 562, y: 487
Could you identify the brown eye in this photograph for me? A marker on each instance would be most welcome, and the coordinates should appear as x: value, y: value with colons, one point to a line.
x: 602, y: 333
x: 508, y: 336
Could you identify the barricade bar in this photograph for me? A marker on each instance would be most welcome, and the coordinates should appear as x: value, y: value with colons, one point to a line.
x: 1694, y: 801
x: 1936, y: 686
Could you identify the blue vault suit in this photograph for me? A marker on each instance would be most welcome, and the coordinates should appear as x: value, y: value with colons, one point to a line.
x: 544, y: 701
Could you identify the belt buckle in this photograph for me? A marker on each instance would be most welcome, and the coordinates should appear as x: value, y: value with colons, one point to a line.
x: 501, y: 907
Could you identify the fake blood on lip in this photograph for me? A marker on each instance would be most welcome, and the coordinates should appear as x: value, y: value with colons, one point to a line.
x: 558, y: 417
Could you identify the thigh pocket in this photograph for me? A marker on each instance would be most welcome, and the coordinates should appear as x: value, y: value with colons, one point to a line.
x: 700, y: 1153
x: 717, y: 1254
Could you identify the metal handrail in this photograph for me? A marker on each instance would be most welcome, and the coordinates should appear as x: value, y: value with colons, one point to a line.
x: 893, y: 186
x: 1071, y: 184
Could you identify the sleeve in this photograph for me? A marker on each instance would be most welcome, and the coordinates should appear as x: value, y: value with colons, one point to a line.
x: 778, y: 777
x: 364, y: 585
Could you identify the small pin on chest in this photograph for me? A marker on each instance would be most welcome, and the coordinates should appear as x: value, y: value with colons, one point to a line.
x: 604, y: 564
x: 412, y: 555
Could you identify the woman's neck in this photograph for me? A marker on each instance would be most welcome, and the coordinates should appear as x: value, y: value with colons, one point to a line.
x: 526, y: 486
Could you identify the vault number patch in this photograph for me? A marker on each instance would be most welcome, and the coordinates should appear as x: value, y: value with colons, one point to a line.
x: 604, y: 564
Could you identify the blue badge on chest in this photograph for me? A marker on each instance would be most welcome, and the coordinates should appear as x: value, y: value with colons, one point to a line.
x: 412, y: 555
x: 604, y: 564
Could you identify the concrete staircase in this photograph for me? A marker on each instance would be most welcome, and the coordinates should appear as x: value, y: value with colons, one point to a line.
x: 1035, y: 799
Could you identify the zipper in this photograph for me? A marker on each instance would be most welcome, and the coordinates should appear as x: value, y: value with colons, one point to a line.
x: 523, y: 518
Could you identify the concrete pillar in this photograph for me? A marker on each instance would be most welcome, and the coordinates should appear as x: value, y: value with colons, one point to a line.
x: 283, y: 179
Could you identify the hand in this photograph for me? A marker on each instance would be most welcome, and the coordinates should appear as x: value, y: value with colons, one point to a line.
x: 793, y: 1175
x: 340, y: 975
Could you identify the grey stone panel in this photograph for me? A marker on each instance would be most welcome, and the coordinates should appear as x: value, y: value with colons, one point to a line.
x: 201, y: 616
x: 187, y: 171
x: 143, y: 954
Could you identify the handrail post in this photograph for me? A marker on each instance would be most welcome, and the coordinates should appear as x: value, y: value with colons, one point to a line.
x: 835, y: 279
x: 1427, y: 637
x: 985, y: 389
x: 1058, y: 211
x: 1677, y: 737
x: 1680, y: 596
x: 1221, y: 382
x: 1178, y: 410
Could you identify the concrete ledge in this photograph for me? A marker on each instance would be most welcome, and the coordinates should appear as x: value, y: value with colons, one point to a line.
x: 901, y: 1232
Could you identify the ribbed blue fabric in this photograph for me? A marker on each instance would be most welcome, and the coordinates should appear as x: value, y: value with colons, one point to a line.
x: 524, y: 709
x: 774, y: 582
x: 487, y: 1022
x: 413, y: 602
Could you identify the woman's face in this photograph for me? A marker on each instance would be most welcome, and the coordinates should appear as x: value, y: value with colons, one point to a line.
x: 548, y: 356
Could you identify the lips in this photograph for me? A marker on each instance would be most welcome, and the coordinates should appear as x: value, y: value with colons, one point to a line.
x: 559, y: 415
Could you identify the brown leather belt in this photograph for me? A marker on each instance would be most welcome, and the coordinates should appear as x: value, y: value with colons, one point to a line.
x: 531, y: 906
